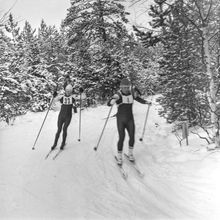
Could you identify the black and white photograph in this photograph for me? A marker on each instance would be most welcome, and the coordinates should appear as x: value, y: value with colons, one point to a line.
x: 110, y: 109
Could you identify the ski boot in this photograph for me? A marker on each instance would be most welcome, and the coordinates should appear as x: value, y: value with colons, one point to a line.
x: 53, y: 147
x: 131, y: 158
x: 62, y: 146
x: 119, y: 159
x: 130, y: 155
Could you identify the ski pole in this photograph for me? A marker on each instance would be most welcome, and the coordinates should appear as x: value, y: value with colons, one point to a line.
x: 43, y: 123
x: 96, y: 147
x: 80, y: 104
x: 145, y: 122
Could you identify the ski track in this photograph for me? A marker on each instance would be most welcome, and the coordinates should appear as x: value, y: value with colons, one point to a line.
x: 179, y: 182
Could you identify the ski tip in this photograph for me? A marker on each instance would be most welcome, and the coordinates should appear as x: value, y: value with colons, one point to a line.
x: 141, y: 139
x: 125, y: 177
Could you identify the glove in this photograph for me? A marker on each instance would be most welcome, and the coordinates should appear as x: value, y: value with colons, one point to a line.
x: 74, y: 109
x: 109, y: 103
x: 81, y: 90
x: 113, y: 100
x: 55, y: 94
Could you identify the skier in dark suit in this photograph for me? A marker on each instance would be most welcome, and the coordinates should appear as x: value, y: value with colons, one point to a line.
x: 125, y: 119
x: 65, y: 115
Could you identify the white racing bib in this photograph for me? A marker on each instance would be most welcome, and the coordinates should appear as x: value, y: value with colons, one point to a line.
x: 68, y: 100
x: 127, y: 99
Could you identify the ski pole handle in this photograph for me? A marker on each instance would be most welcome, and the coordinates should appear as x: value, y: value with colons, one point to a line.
x: 96, y: 147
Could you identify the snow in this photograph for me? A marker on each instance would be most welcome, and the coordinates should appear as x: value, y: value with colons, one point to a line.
x: 179, y: 182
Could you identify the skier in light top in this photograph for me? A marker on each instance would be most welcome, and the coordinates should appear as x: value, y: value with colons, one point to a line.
x: 125, y: 120
x: 65, y: 115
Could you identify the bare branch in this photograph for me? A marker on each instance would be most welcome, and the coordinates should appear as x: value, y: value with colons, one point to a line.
x: 191, y: 21
x: 148, y: 29
x: 199, y: 10
x: 134, y: 3
x: 201, y: 136
x: 210, y: 6
x: 213, y: 35
x: 4, y: 16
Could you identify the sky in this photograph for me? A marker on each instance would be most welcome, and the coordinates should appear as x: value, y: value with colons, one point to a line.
x: 53, y: 11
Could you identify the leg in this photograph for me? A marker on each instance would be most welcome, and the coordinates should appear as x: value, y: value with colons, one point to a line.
x: 131, y: 132
x: 121, y: 134
x: 66, y: 124
x: 59, y: 128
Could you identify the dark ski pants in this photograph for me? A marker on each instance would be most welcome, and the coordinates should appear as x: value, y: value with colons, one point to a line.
x: 123, y: 124
x: 62, y: 122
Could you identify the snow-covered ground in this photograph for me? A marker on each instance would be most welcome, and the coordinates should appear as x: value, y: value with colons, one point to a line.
x: 179, y: 182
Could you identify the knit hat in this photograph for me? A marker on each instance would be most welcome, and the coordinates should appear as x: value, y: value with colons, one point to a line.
x: 125, y: 82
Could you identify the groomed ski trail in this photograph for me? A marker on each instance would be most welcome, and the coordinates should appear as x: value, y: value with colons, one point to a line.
x: 84, y: 184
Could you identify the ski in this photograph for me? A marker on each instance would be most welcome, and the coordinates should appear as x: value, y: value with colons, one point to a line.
x: 121, y: 169
x: 57, y: 154
x: 134, y: 165
x: 48, y: 154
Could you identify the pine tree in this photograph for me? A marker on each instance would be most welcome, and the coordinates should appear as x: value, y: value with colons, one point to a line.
x: 28, y: 80
x: 30, y: 45
x: 194, y: 26
x: 183, y: 68
x: 204, y: 17
x: 180, y: 62
x: 96, y: 36
x: 52, y: 52
x: 13, y: 91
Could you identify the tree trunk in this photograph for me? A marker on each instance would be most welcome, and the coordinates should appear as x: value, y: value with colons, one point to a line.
x: 212, y: 90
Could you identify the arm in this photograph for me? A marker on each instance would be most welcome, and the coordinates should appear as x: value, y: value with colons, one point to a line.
x: 139, y: 99
x: 56, y: 97
x: 113, y: 100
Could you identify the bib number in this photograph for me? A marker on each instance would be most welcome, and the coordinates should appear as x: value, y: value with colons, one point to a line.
x: 67, y: 101
x: 127, y: 99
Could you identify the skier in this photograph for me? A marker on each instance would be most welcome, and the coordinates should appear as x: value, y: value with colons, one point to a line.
x: 65, y: 115
x: 125, y: 120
